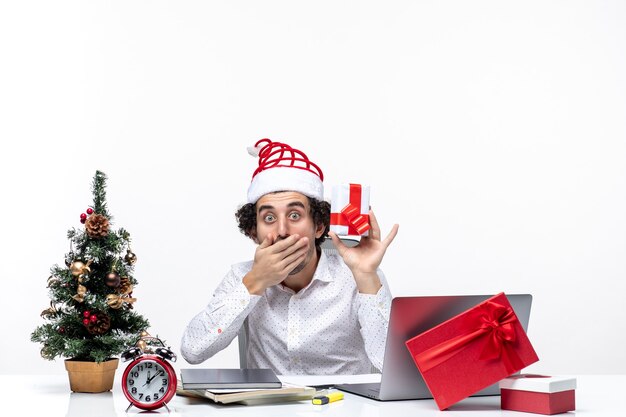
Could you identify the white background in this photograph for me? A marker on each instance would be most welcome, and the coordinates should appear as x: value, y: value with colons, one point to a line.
x: 493, y: 132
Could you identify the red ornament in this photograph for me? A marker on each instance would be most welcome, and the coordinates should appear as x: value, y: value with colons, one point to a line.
x: 83, y: 221
x: 89, y: 210
x: 83, y: 216
x: 93, y: 318
x: 61, y: 330
x: 86, y: 314
x: 86, y: 322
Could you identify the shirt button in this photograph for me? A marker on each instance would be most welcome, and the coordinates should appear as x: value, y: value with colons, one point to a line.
x: 243, y: 302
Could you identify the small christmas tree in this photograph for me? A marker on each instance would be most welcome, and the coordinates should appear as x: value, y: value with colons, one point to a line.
x: 91, y: 315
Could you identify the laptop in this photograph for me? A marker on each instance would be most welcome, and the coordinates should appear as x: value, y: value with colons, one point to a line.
x: 410, y: 316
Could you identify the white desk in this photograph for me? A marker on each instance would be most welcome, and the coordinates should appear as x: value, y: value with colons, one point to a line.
x: 50, y: 396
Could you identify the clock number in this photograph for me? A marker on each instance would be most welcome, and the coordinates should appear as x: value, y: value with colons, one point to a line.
x: 148, y: 398
x: 140, y: 367
x: 131, y: 382
x: 162, y: 390
x: 134, y: 390
x: 164, y: 381
x: 135, y: 374
x: 156, y: 396
x: 149, y: 365
x: 140, y: 395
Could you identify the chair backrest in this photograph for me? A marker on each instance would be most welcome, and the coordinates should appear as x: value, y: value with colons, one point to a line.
x: 242, y: 337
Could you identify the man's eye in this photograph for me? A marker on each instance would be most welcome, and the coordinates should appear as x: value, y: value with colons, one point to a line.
x: 294, y: 216
x: 269, y: 218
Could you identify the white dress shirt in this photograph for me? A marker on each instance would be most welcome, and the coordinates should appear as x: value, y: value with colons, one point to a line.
x: 326, y: 328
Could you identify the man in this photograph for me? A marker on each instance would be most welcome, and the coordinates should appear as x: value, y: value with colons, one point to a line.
x: 308, y: 312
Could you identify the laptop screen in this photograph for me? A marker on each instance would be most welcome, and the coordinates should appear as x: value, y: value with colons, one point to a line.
x: 411, y: 316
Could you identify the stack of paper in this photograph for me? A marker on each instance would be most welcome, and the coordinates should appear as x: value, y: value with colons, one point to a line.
x: 287, y: 392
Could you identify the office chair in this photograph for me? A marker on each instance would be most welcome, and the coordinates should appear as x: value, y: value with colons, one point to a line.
x: 242, y: 337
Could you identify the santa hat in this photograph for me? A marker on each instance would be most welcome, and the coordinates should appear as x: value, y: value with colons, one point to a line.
x: 283, y: 168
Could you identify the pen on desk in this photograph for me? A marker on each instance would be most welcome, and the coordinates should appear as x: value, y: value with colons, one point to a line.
x: 328, y: 398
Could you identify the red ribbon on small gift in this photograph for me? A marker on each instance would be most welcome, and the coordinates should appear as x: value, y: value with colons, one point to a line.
x: 491, y: 321
x: 351, y: 215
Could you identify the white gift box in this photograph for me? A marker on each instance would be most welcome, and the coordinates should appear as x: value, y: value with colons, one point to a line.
x: 538, y: 394
x: 346, y: 222
x: 538, y: 383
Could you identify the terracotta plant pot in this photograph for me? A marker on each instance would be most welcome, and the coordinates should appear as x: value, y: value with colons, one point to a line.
x: 91, y: 376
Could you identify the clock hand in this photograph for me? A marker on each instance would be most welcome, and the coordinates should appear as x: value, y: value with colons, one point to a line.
x: 147, y: 379
x: 154, y: 376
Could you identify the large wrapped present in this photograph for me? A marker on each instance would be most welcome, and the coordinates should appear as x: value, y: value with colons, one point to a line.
x: 349, y: 210
x: 540, y: 394
x: 471, y: 351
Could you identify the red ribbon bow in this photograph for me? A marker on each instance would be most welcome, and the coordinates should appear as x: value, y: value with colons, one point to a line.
x: 351, y: 215
x: 491, y: 321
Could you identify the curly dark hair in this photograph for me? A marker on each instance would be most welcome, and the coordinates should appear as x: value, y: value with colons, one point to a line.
x: 320, y: 210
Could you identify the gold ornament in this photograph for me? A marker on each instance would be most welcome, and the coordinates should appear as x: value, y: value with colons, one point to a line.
x: 80, y: 293
x: 130, y: 257
x: 116, y: 301
x: 49, y: 312
x: 45, y: 353
x: 79, y: 268
x: 141, y: 344
x: 145, y: 342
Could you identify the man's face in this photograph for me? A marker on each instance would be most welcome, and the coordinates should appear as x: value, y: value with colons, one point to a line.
x: 284, y: 214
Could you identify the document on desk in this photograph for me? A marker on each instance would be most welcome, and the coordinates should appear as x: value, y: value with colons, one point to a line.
x: 287, y: 393
x: 329, y: 380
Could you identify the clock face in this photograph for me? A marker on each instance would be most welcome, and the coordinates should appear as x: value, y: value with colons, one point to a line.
x: 149, y: 382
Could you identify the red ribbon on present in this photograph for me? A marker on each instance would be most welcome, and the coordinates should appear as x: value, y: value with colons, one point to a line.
x: 491, y: 321
x: 351, y: 215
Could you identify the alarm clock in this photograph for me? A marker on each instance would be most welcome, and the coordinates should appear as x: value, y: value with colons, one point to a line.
x: 149, y: 381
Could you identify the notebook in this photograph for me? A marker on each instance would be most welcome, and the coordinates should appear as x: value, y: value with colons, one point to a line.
x: 199, y: 378
x: 410, y: 316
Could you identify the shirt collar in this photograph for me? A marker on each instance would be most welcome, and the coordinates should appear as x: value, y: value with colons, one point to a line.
x: 322, y: 272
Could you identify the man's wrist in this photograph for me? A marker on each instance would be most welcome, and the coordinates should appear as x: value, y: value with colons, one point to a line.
x: 252, y: 284
x: 367, y: 283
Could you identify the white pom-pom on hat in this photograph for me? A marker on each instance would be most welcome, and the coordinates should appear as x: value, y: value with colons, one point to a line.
x: 254, y: 150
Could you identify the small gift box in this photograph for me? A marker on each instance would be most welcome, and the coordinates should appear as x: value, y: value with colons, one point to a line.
x: 471, y: 351
x: 349, y: 210
x: 538, y: 394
